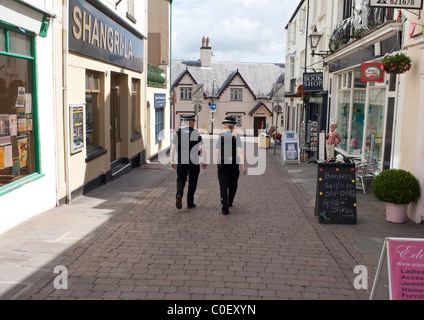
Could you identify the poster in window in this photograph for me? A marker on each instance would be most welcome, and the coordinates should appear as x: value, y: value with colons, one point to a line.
x: 77, y: 127
x: 16, y: 167
x: 22, y: 121
x: 21, y: 95
x: 13, y: 125
x: 23, y: 152
x: 8, y: 159
x: 5, y: 157
x: 2, y: 158
x: 28, y: 103
x: 4, y: 130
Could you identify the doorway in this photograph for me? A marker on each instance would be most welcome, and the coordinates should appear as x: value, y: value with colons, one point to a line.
x: 114, y: 115
x: 259, y: 123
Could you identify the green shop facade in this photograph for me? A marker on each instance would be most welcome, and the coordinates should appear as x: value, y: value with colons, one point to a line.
x: 27, y: 122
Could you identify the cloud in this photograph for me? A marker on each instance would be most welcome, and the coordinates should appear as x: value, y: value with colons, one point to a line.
x: 240, y: 30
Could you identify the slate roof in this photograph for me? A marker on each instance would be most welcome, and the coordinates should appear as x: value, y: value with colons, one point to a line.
x: 259, y: 77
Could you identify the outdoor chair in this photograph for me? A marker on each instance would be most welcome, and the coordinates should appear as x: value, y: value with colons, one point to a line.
x: 364, y: 171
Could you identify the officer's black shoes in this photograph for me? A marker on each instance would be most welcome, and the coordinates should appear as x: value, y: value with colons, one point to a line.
x: 179, y: 203
x: 230, y: 204
x: 191, y: 206
x: 225, y: 211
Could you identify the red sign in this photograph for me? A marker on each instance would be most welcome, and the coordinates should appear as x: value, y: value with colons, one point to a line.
x: 406, y: 269
x: 372, y: 72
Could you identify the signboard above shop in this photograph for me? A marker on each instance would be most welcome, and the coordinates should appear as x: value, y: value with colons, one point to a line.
x: 312, y: 82
x: 398, y: 4
x: 372, y: 72
x: 160, y: 100
x: 95, y: 34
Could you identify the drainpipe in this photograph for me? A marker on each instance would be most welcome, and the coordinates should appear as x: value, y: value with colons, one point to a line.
x: 65, y: 46
x: 171, y: 106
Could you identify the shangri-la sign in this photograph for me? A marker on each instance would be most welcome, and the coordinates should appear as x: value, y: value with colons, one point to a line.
x: 93, y: 33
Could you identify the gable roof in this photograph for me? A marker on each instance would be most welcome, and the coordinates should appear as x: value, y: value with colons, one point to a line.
x: 258, y: 106
x: 259, y: 77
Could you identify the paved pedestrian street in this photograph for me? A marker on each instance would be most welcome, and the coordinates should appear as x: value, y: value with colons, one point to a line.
x: 270, y: 246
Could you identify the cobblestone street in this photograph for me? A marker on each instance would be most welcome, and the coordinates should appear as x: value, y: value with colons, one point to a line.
x: 271, y: 246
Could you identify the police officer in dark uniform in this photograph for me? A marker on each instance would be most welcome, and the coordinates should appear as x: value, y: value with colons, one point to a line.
x: 229, y: 151
x: 189, y: 145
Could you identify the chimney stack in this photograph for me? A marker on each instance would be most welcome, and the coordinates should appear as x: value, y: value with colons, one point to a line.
x: 206, y: 53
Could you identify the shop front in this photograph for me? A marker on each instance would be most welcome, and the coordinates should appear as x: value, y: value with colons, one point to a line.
x: 106, y: 77
x: 364, y: 110
x: 27, y: 130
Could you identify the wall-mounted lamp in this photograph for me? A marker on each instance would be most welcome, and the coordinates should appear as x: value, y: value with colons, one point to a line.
x: 314, y: 39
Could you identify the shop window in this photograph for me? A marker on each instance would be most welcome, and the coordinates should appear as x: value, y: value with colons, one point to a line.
x: 2, y: 42
x: 19, y: 155
x: 374, y: 127
x: 159, y: 125
x: 92, y: 92
x: 343, y: 112
x: 357, y: 129
x: 19, y: 44
x: 357, y: 82
x: 135, y: 108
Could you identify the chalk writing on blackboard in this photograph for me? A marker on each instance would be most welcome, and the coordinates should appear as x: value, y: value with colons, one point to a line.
x: 336, y: 193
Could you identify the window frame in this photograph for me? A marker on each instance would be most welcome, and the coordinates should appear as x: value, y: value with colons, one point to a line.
x: 185, y: 93
x: 135, y: 109
x: 236, y: 94
x: 7, y: 28
x: 93, y: 148
x: 239, y: 119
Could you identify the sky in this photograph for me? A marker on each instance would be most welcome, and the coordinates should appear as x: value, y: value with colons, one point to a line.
x: 239, y: 30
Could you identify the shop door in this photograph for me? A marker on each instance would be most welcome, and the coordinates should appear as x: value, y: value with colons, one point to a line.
x: 114, y: 115
x: 259, y: 123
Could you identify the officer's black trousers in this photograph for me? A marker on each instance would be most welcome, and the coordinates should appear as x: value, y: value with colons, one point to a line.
x: 192, y: 172
x: 228, y: 176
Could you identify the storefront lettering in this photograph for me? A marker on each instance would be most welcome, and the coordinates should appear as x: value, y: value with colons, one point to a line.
x: 313, y: 82
x: 99, y: 34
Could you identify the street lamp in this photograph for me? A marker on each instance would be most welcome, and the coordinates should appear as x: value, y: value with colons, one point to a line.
x: 314, y: 39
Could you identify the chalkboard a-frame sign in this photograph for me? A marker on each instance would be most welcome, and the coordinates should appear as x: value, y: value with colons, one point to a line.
x: 336, y: 193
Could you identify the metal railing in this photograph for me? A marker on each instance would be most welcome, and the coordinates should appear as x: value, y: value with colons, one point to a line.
x: 361, y: 23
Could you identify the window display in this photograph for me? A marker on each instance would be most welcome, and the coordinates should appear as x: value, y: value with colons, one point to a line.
x: 343, y: 118
x: 17, y: 139
x: 92, y: 90
x: 375, y: 125
x: 357, y: 129
x: 357, y: 116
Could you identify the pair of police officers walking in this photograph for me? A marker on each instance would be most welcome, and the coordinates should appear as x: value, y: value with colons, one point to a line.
x: 189, y: 145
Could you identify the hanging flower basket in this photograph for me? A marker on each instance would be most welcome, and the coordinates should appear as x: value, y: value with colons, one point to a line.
x: 396, y: 63
x: 301, y: 93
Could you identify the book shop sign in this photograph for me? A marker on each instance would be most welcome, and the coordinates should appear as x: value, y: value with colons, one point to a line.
x: 312, y: 82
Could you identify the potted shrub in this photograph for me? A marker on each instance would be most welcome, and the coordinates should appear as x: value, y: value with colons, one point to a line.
x: 396, y: 63
x: 397, y: 188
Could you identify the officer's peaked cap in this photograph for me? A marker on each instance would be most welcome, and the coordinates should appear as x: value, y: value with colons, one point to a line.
x: 229, y: 120
x: 191, y: 116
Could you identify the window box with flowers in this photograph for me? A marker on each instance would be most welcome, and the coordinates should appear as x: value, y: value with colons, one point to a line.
x: 396, y: 63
